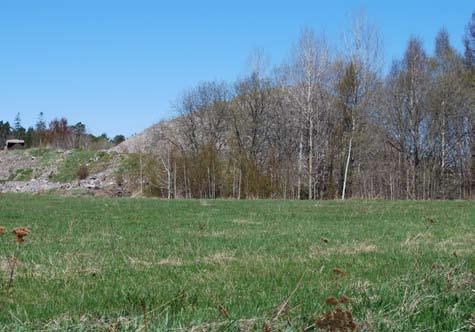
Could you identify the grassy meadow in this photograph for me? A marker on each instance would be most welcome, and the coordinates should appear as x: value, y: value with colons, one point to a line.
x: 93, y: 264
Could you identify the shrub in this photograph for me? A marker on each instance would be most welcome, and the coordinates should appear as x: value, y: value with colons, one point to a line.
x: 82, y: 172
x: 119, y: 178
x: 20, y: 233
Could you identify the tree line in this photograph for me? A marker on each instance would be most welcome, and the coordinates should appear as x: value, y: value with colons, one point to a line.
x: 57, y: 134
x: 326, y: 124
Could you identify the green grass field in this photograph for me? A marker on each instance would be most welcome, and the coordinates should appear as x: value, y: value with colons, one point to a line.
x: 126, y: 264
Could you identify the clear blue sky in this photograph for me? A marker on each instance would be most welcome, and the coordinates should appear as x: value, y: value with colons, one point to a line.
x: 118, y: 65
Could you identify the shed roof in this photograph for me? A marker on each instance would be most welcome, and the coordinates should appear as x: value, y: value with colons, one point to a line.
x: 15, y: 141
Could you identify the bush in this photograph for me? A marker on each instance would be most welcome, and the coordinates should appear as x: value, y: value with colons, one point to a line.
x: 82, y: 172
x: 119, y: 178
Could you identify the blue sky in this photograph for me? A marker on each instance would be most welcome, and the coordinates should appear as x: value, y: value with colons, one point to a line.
x: 119, y: 65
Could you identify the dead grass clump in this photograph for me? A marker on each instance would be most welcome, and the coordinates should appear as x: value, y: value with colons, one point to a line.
x: 331, y: 300
x: 138, y: 262
x: 90, y: 270
x: 339, y: 272
x: 346, y: 249
x: 457, y: 280
x: 339, y: 319
x: 171, y: 261
x: 212, y: 234
x: 362, y: 286
x: 219, y: 258
x: 430, y: 221
x: 282, y: 309
x: 414, y: 240
x: 223, y: 311
x: 359, y: 249
x: 245, y: 222
x: 462, y: 245
x: 20, y: 233
x: 83, y: 172
x: 344, y: 299
x: 471, y: 322
x: 266, y: 327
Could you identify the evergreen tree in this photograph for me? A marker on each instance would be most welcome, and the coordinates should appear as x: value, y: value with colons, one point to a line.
x: 5, y: 132
x: 39, y: 136
x: 18, y: 130
x: 17, y: 123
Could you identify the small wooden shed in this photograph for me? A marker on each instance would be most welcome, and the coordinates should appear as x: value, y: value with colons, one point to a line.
x: 12, y: 144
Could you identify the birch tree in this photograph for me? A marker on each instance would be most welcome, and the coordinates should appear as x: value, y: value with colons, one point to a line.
x: 363, y: 50
x: 307, y: 80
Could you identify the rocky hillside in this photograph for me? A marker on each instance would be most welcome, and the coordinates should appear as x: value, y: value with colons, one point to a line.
x: 150, y: 138
x: 44, y: 170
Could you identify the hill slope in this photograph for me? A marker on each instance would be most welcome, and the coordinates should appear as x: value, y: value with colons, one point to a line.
x: 42, y: 170
x: 150, y: 138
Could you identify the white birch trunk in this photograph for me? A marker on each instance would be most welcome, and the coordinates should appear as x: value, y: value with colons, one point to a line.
x: 299, y: 180
x: 347, y: 166
x: 310, y: 158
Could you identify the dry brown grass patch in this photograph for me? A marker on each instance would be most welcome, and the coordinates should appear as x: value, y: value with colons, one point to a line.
x: 138, y: 262
x: 245, y: 222
x: 462, y: 244
x: 414, y: 240
x: 219, y: 258
x: 66, y: 271
x: 347, y: 249
x: 171, y: 261
x: 210, y: 234
x: 339, y: 319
